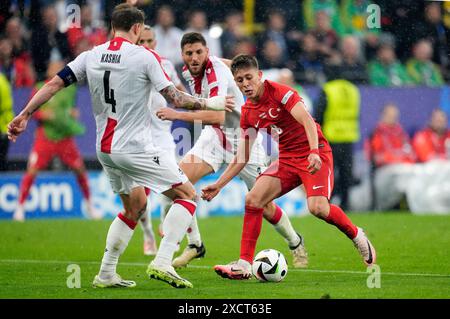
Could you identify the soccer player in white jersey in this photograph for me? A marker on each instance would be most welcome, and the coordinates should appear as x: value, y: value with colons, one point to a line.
x: 161, y: 134
x: 209, y: 76
x: 120, y: 75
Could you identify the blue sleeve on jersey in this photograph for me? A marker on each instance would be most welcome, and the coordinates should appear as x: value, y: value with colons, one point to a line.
x: 67, y: 76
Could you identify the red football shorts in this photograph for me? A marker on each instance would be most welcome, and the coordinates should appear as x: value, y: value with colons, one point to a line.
x: 293, y: 172
x: 44, y: 150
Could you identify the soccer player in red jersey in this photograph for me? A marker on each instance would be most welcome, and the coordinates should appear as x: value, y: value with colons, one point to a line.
x: 305, y: 158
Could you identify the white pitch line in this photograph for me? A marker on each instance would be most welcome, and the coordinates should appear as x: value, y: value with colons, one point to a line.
x: 35, y: 261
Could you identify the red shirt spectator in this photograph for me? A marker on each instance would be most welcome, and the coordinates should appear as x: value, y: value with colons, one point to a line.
x: 18, y: 69
x: 433, y: 142
x: 390, y: 144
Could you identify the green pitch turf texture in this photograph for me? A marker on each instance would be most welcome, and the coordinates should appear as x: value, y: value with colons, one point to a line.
x: 413, y: 255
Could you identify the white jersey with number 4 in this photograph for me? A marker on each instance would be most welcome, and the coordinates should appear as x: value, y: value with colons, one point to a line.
x: 120, y: 76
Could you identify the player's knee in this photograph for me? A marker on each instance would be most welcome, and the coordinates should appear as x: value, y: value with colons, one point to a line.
x: 318, y: 208
x: 254, y: 200
x: 188, y: 193
x: 32, y: 171
x: 79, y: 170
x: 137, y: 207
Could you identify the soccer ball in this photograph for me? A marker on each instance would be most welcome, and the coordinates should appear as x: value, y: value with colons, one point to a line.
x: 269, y: 265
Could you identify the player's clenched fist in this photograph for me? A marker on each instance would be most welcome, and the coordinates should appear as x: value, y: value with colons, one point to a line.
x: 220, y: 103
x: 210, y: 191
x: 166, y: 113
x: 315, y: 163
x: 17, y: 126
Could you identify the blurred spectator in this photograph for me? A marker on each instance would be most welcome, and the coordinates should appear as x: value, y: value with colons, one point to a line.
x: 326, y: 37
x: 286, y: 77
x: 48, y: 44
x: 403, y: 19
x: 232, y: 33
x: 353, y: 67
x: 198, y: 22
x: 354, y: 16
x: 244, y: 45
x: 434, y: 30
x: 309, y: 62
x: 311, y: 7
x: 15, y: 32
x: 17, y: 70
x: 271, y: 56
x: 290, y: 9
x: 215, y: 9
x: 86, y: 32
x: 275, y: 32
x: 392, y: 157
x: 338, y: 110
x: 433, y: 142
x: 168, y: 35
x: 420, y: 67
x: 386, y: 70
x: 6, y: 115
x: 97, y: 13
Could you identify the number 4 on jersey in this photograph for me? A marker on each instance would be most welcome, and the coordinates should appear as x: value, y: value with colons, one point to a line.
x: 109, y: 93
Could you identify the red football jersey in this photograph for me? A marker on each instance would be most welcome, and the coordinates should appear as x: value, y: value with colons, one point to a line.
x: 272, y: 113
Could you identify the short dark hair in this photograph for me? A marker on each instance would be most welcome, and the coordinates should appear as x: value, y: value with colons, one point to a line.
x: 191, y: 38
x: 125, y: 16
x: 243, y: 61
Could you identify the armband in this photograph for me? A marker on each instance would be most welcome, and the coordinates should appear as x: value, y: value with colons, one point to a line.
x: 67, y: 76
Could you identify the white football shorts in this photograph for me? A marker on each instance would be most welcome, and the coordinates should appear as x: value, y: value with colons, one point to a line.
x: 156, y: 170
x: 209, y: 149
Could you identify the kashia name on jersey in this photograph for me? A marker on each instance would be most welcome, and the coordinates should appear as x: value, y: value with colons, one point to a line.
x: 110, y: 58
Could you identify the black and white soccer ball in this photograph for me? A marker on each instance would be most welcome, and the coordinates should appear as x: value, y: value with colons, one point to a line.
x: 269, y: 265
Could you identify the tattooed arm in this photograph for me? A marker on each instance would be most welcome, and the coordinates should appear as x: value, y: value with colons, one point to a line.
x: 183, y: 100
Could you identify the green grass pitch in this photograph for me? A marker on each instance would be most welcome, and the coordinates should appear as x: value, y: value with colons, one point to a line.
x: 413, y: 256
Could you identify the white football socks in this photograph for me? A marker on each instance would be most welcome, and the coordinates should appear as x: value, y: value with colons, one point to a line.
x: 285, y: 229
x: 175, y: 226
x: 193, y: 234
x: 119, y: 235
x: 165, y: 204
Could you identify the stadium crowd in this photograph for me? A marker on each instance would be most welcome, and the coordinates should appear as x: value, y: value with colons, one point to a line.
x: 312, y: 38
x: 410, y: 47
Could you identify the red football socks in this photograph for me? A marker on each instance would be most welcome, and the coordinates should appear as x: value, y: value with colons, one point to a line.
x: 276, y: 216
x: 338, y: 218
x: 25, y: 186
x: 250, y: 232
x: 84, y: 184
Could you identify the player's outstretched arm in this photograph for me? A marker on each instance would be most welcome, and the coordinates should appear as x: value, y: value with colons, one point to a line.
x: 302, y: 116
x: 19, y: 123
x: 183, y: 100
x: 205, y: 117
x: 237, y: 164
